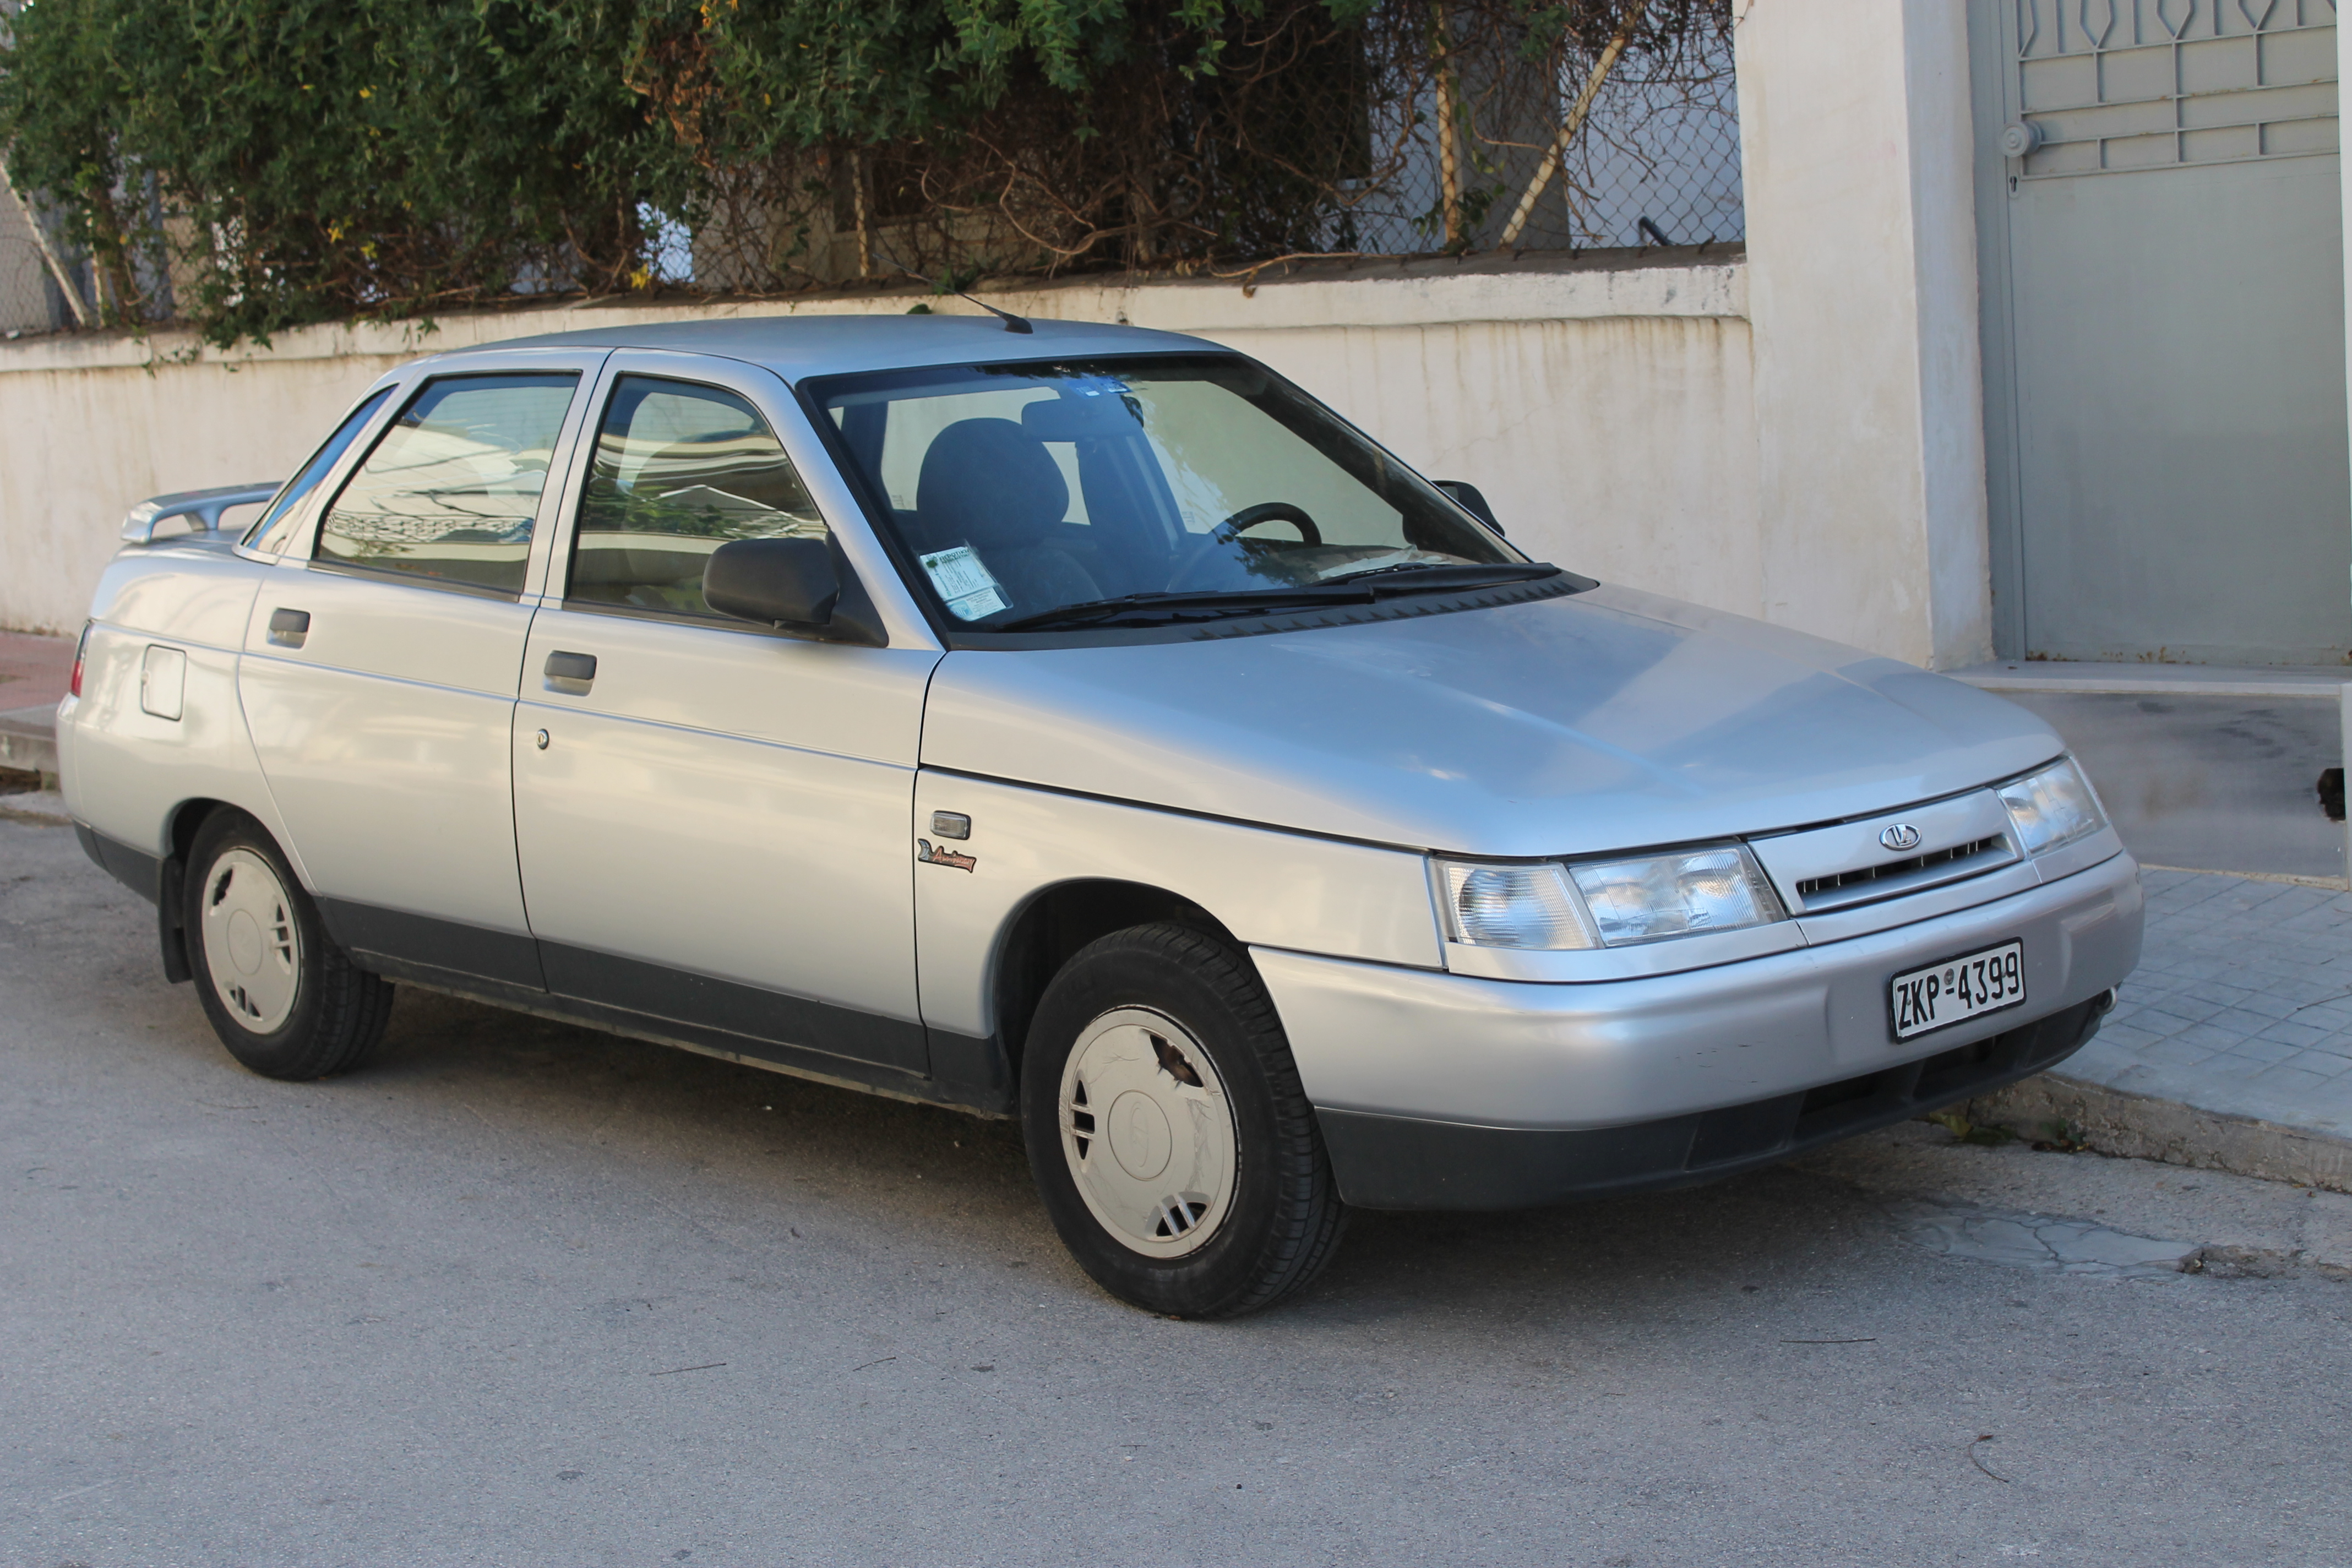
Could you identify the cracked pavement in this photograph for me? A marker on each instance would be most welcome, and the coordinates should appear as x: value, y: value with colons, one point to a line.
x: 520, y: 1293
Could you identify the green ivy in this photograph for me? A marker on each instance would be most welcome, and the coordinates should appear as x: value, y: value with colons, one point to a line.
x: 249, y: 166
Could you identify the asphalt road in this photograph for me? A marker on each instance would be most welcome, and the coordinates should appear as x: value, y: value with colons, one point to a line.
x: 523, y: 1294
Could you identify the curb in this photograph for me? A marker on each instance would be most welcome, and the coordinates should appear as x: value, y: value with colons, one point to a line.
x: 42, y: 809
x: 2141, y: 1126
x: 28, y: 740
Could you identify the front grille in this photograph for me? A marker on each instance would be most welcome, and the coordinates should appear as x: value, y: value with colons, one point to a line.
x: 1812, y: 887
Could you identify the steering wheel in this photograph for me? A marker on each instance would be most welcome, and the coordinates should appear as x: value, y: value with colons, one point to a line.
x: 1249, y: 517
x: 1204, y: 562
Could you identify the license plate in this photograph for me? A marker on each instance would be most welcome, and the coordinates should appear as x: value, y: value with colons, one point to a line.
x: 1957, y: 989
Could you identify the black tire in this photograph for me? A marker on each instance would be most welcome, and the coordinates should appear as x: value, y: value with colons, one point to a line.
x: 337, y: 1012
x: 1283, y: 1218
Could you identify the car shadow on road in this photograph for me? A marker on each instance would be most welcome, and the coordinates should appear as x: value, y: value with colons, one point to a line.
x: 963, y: 1185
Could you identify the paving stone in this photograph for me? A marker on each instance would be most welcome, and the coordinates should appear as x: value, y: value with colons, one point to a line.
x: 2323, y: 1064
x: 2241, y: 1003
x: 2289, y: 1032
x: 2288, y: 1081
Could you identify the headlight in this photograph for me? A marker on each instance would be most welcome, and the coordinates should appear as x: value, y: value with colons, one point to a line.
x: 1549, y: 906
x: 1512, y: 906
x: 2053, y: 807
x: 1676, y: 895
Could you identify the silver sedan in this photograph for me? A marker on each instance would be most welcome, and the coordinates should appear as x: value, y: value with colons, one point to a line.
x: 1078, y: 724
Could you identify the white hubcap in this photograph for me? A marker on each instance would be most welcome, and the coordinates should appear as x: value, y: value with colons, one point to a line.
x: 1148, y: 1133
x: 253, y: 950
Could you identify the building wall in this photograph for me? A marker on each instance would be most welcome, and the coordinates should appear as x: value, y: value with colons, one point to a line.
x: 1606, y: 412
x: 1854, y: 124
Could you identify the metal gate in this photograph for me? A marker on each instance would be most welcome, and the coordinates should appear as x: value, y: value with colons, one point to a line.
x: 2161, y: 252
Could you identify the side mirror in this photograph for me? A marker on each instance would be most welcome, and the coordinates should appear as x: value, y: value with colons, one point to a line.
x: 796, y: 586
x: 1466, y: 496
x: 776, y: 582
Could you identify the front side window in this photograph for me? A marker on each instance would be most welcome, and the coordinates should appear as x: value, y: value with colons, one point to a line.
x: 275, y: 530
x: 679, y: 470
x: 1031, y: 497
x: 449, y: 493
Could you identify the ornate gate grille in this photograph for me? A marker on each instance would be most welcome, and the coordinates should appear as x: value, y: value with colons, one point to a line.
x: 2109, y: 85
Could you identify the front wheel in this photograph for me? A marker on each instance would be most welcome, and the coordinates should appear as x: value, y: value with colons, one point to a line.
x: 285, y: 1001
x: 1174, y: 1145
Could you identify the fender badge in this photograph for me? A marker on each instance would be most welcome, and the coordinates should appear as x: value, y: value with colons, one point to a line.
x: 931, y: 856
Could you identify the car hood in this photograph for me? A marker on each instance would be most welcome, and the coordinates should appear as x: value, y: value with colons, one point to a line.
x: 1606, y: 721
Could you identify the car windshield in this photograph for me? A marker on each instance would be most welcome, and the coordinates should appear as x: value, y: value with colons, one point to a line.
x: 1111, y: 489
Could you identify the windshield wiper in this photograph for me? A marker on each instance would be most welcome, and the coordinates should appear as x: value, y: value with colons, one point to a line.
x: 1450, y: 574
x: 1239, y: 601
x: 1344, y: 590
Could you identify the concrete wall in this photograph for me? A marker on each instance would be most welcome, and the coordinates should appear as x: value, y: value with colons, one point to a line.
x: 1856, y: 140
x: 1606, y: 412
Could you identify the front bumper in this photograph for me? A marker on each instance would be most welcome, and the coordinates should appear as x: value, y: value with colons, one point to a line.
x: 1446, y: 1091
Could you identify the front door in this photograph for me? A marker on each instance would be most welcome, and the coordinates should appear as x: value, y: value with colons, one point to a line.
x: 2162, y: 254
x: 380, y: 664
x: 714, y: 818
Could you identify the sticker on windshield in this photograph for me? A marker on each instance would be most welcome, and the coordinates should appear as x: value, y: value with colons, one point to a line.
x: 966, y: 585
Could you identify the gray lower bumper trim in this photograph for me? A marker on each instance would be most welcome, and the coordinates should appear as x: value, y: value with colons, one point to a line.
x: 1401, y: 1163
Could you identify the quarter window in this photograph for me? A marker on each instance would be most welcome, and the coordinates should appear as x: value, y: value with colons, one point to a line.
x: 450, y: 491
x: 679, y: 470
x: 273, y: 532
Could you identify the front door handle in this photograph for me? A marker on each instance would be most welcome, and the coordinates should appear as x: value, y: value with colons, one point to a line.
x: 289, y: 627
x: 571, y: 673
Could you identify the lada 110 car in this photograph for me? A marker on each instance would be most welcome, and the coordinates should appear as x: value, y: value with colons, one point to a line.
x: 1080, y: 724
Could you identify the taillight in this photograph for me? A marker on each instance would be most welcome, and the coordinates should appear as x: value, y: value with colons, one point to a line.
x: 74, y: 686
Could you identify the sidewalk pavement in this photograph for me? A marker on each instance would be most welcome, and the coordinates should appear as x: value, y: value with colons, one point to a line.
x: 34, y: 673
x: 34, y: 669
x: 2229, y: 1046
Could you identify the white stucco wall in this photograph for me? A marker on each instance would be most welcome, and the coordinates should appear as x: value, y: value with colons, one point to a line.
x: 1607, y: 413
x: 1855, y: 138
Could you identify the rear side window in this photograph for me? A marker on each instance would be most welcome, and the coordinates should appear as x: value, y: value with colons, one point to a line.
x: 449, y: 492
x: 679, y: 470
x: 275, y: 530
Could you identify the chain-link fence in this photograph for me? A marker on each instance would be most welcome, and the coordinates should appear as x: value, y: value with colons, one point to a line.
x: 1426, y: 127
x: 1284, y: 130
x: 30, y: 298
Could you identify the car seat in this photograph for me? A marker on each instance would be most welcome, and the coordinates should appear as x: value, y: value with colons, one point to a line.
x: 989, y: 484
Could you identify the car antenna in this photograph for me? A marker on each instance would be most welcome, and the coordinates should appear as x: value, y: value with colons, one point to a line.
x: 1013, y: 323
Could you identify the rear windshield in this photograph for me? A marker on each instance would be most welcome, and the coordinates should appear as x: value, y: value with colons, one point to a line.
x: 1021, y: 490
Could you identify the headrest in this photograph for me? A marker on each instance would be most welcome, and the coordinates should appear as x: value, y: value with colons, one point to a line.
x: 988, y: 482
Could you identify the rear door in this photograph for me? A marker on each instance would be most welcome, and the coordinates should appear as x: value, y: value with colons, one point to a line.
x: 381, y: 660
x: 714, y: 817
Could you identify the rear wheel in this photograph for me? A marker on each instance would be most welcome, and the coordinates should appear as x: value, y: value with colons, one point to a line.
x: 285, y: 1001
x: 1169, y: 1137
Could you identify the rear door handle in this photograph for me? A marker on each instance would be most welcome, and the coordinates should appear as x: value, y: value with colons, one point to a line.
x: 570, y: 672
x: 289, y: 627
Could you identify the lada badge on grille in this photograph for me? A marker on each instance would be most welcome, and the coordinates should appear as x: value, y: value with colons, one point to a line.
x: 1900, y: 837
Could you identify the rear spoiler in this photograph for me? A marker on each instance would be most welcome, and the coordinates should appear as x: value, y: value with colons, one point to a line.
x: 206, y: 506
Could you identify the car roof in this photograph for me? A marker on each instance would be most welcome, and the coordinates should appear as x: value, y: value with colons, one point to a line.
x: 796, y: 346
